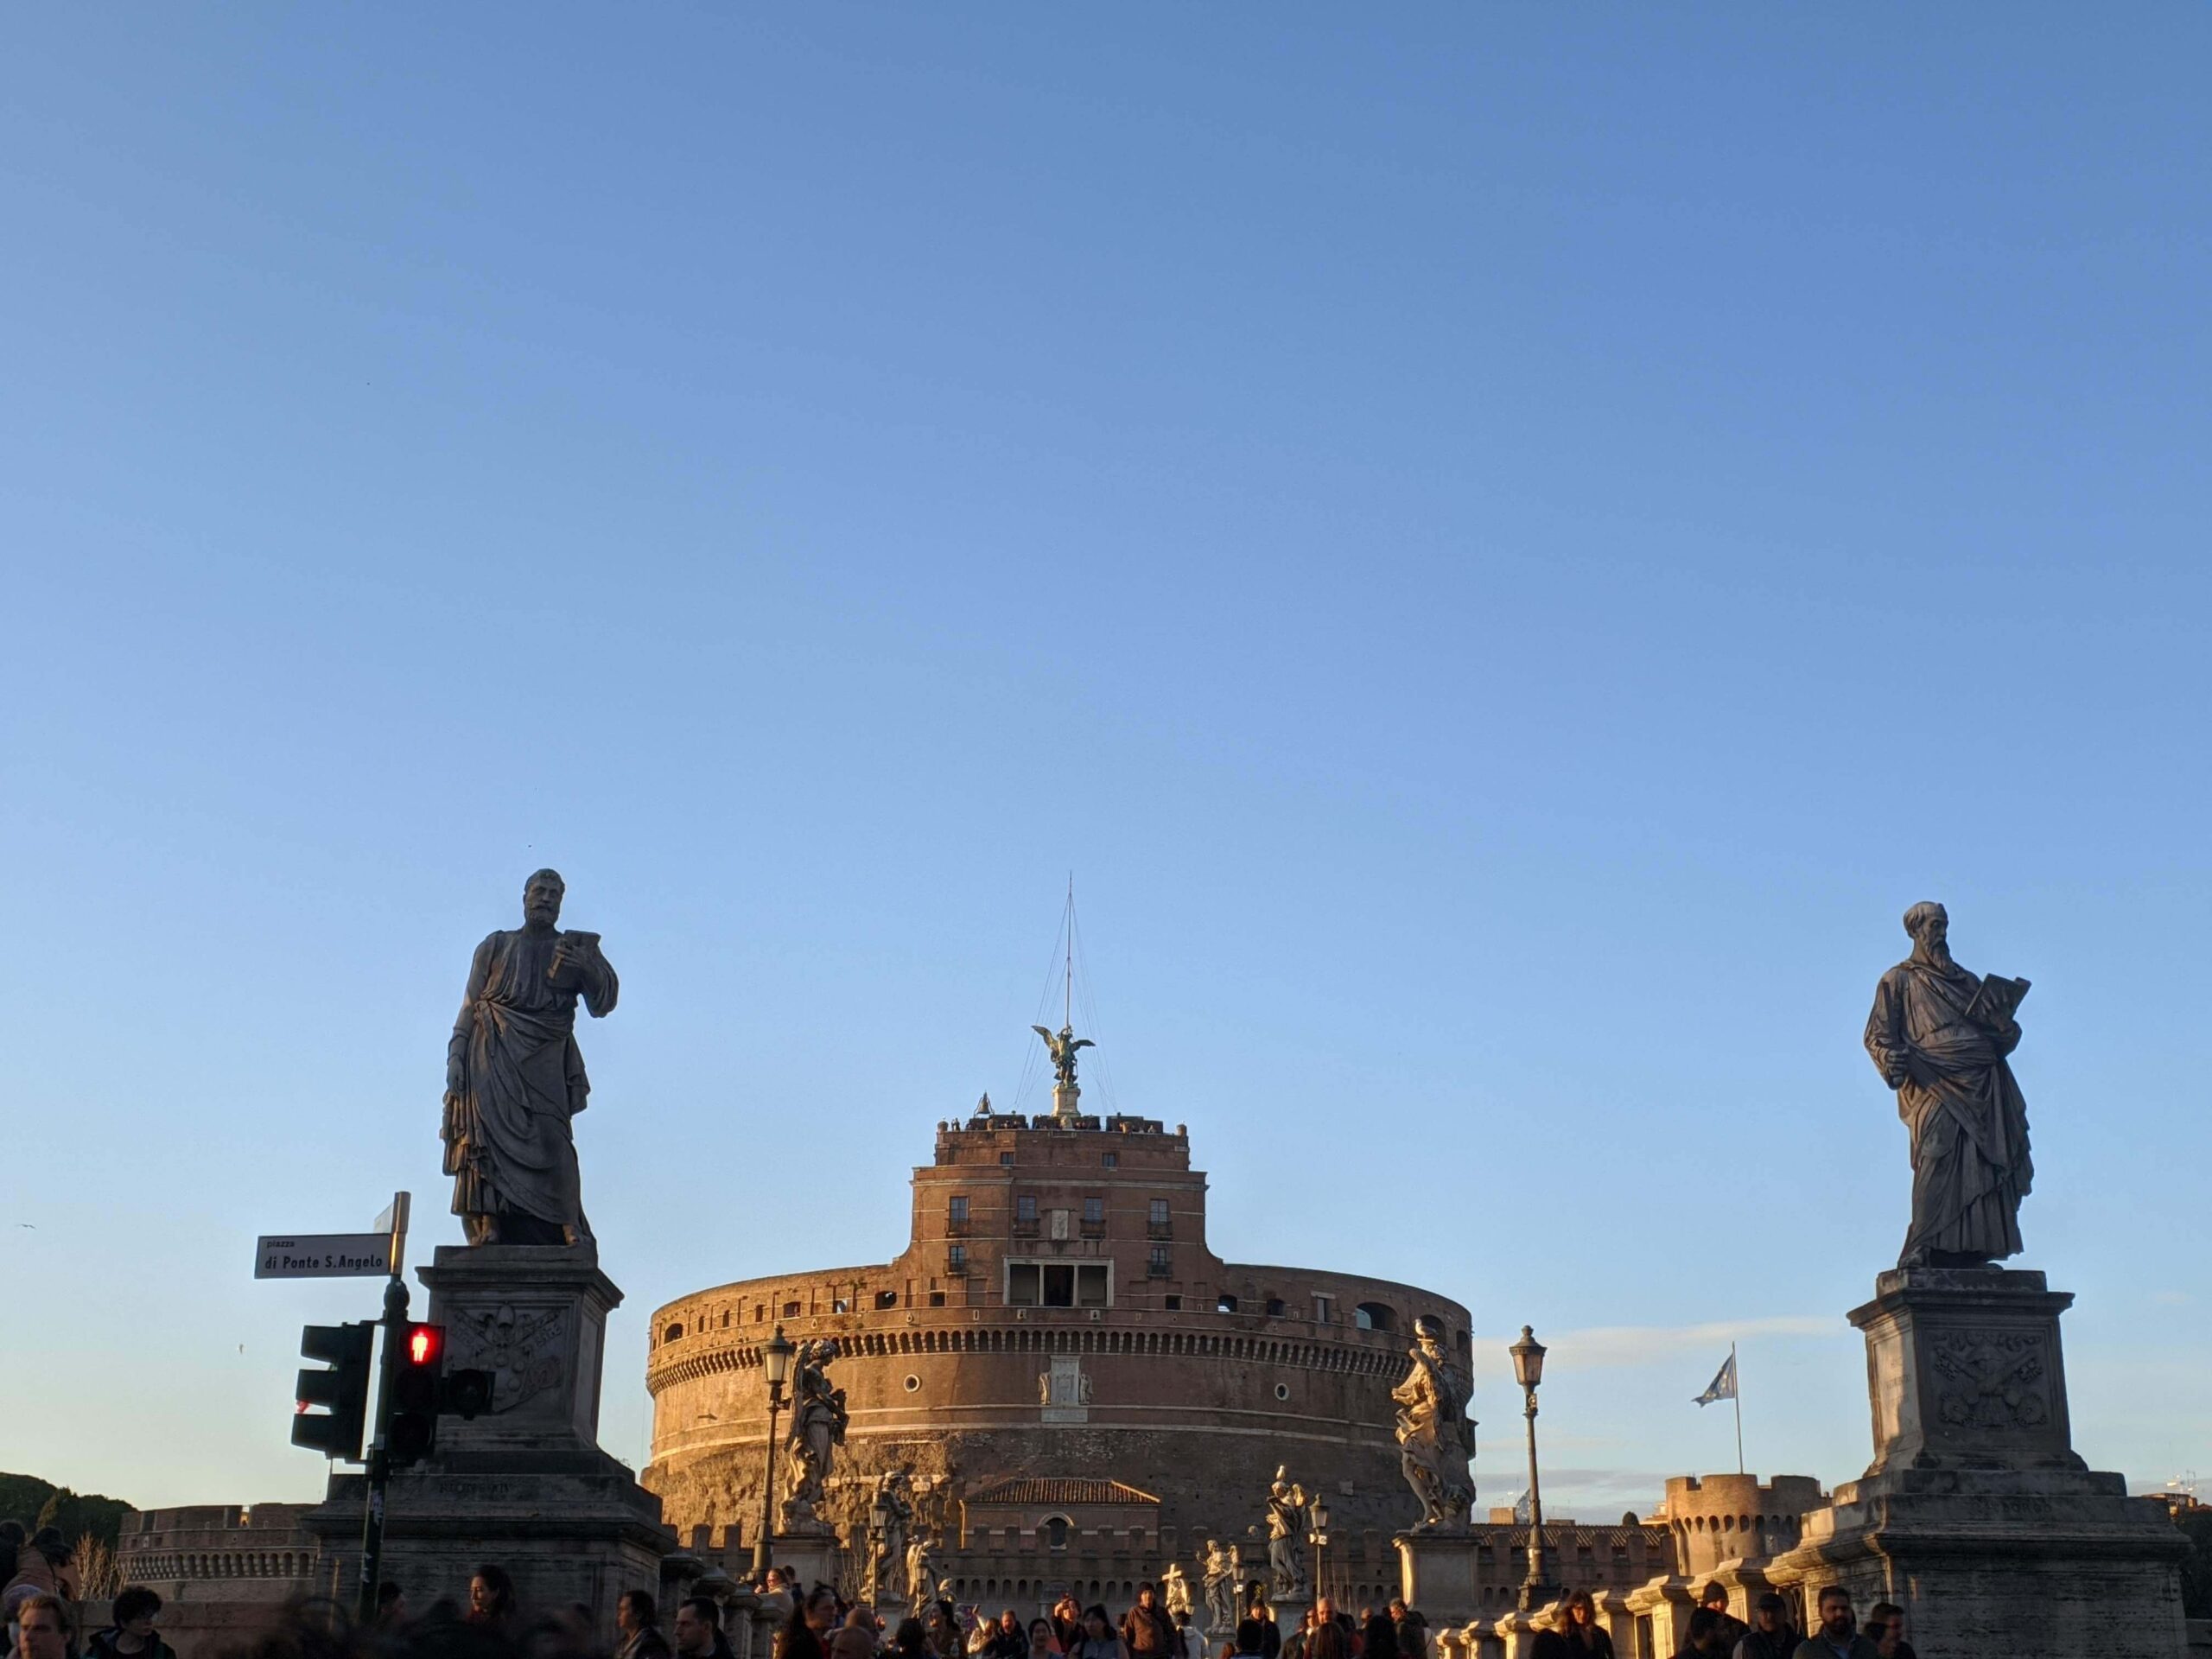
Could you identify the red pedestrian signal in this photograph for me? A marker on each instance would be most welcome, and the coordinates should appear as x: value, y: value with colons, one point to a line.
x: 412, y: 1432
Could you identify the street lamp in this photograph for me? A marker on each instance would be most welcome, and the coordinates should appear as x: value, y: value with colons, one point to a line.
x: 1529, y: 1372
x: 1318, y: 1515
x: 776, y: 1360
x: 879, y: 1527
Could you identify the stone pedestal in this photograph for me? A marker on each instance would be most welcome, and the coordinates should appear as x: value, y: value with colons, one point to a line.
x: 1976, y: 1515
x: 524, y: 1485
x: 809, y: 1558
x: 1436, y: 1574
x: 1289, y: 1612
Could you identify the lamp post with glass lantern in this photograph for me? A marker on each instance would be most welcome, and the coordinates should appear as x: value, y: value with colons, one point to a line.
x: 1317, y: 1516
x: 776, y: 1362
x: 1529, y: 1372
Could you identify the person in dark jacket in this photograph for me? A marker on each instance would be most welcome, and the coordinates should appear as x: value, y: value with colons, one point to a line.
x: 1147, y: 1630
x: 1838, y: 1637
x: 1715, y: 1597
x: 1770, y: 1636
x: 639, y: 1621
x: 1886, y: 1629
x: 1578, y: 1636
x: 132, y: 1636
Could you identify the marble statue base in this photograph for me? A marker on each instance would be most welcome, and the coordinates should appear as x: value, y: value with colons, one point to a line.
x: 1436, y: 1574
x: 1976, y: 1515
x: 811, y: 1558
x: 524, y: 1485
x: 1289, y: 1612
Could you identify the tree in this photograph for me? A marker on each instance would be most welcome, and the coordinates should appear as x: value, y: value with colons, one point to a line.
x: 89, y: 1515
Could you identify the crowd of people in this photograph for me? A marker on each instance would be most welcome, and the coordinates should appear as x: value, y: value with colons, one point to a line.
x: 40, y: 1594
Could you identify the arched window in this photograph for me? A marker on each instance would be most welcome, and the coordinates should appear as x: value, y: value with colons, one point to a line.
x: 1374, y: 1316
x: 674, y: 1331
x: 1056, y: 1529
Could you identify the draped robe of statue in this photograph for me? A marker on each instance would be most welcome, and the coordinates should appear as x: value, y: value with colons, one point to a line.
x: 508, y: 1146
x: 1435, y: 1439
x: 1969, y: 1122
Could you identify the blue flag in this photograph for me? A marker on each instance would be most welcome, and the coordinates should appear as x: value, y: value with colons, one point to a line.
x: 1723, y: 1387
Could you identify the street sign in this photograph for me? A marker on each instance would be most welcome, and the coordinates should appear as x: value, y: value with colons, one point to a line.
x: 324, y: 1255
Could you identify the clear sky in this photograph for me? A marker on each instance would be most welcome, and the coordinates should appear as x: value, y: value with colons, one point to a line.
x: 1503, y: 545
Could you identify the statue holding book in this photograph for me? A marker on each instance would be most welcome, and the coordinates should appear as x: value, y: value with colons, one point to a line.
x: 1939, y: 1036
x: 515, y: 1078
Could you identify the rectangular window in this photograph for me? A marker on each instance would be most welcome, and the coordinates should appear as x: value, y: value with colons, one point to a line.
x: 1090, y: 1285
x: 1021, y: 1284
x: 1006, y: 1161
x: 956, y: 1208
x: 1159, y: 1261
x: 1324, y: 1309
x: 886, y: 1298
x: 955, y: 1259
x: 791, y: 1310
x: 1094, y: 1208
x: 1112, y: 1161
x: 1174, y: 1304
x: 1159, y: 1215
x: 1024, y: 1208
x: 937, y: 1299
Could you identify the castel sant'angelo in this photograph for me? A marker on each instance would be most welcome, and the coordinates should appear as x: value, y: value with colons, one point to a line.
x: 1059, y: 1355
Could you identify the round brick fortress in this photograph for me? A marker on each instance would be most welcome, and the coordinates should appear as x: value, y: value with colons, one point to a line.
x: 1057, y: 1315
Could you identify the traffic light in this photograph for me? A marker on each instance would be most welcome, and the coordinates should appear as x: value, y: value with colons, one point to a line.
x: 417, y: 1371
x: 342, y: 1390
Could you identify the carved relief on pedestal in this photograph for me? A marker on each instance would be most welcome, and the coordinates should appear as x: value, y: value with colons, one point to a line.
x: 1991, y: 1379
x: 521, y: 1349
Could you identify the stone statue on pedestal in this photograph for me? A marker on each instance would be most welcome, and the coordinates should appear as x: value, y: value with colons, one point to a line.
x: 1436, y: 1439
x: 514, y: 1078
x: 1285, y: 1536
x: 1174, y: 1589
x: 1939, y: 1036
x: 818, y: 1421
x: 921, y: 1576
x: 894, y: 1502
x: 1221, y: 1586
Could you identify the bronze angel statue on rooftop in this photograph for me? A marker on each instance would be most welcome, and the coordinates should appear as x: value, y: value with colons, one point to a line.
x: 1062, y: 1047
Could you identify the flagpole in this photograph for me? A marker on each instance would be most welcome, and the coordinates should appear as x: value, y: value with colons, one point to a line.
x: 1736, y: 1394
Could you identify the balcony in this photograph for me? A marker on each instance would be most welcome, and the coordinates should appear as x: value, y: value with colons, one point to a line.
x: 1094, y: 1229
x: 1159, y: 1229
x: 1159, y: 1266
x: 1025, y: 1228
x: 956, y: 1226
x: 956, y: 1264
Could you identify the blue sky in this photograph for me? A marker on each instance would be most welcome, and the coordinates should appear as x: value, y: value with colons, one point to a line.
x: 1502, y: 546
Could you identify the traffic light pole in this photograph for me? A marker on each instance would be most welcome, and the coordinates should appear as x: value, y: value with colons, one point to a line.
x: 379, y: 1459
